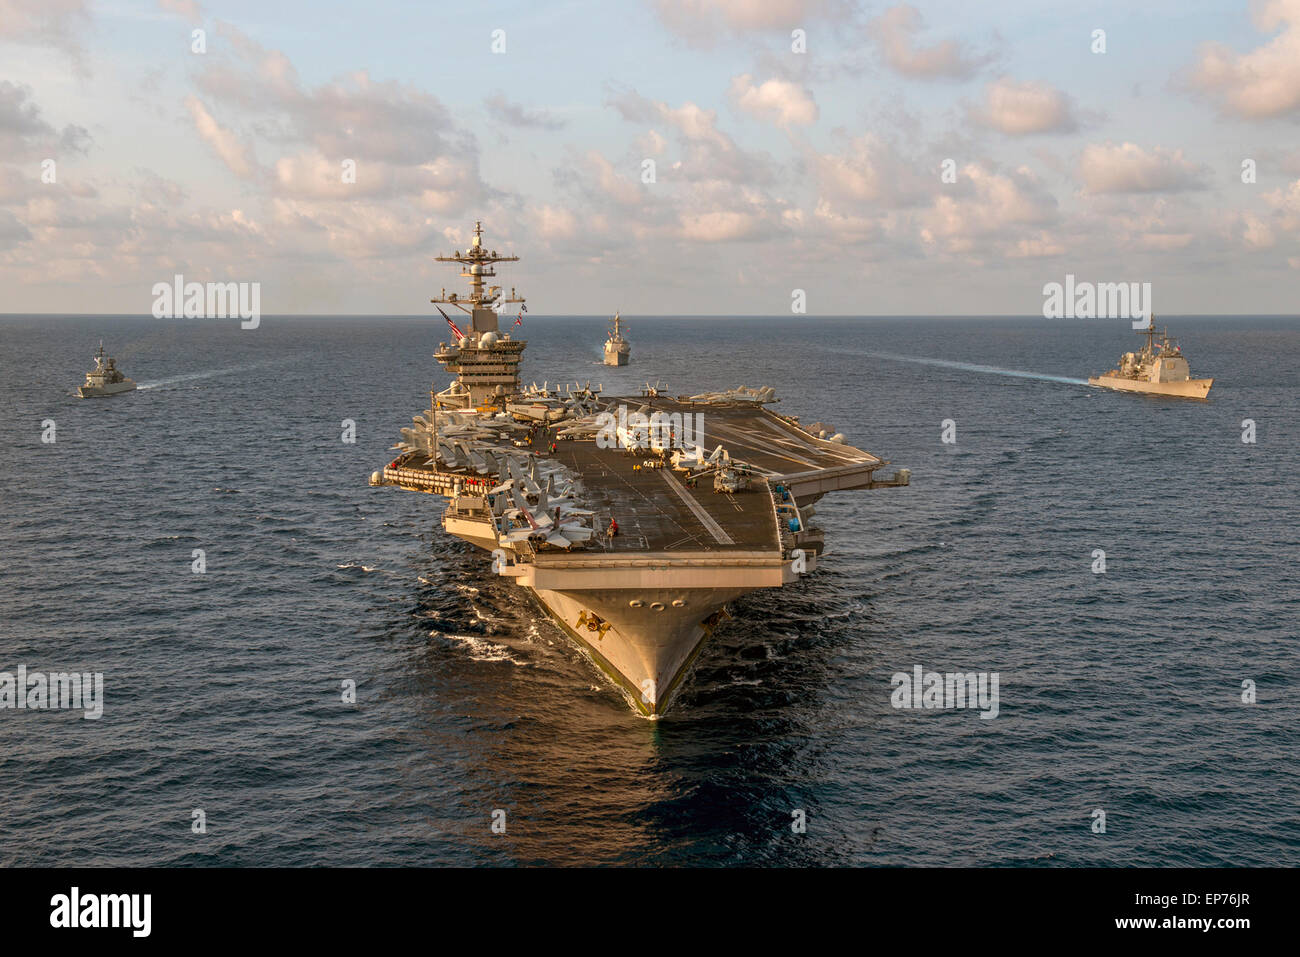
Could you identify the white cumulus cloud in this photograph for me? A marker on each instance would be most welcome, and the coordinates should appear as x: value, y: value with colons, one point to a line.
x: 1264, y: 82
x: 895, y: 32
x: 233, y: 151
x: 1128, y: 168
x: 778, y: 101
x: 1018, y: 109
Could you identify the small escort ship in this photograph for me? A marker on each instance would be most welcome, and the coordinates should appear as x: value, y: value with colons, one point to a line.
x: 617, y: 349
x: 633, y: 521
x: 105, y: 378
x: 1156, y: 370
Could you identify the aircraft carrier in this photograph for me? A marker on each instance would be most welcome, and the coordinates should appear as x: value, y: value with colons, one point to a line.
x: 633, y: 520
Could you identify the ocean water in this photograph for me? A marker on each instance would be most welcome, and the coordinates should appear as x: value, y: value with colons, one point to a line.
x: 1119, y: 691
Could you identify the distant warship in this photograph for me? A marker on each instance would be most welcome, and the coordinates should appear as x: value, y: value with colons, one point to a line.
x: 613, y: 512
x: 105, y: 378
x: 617, y: 349
x: 1157, y: 370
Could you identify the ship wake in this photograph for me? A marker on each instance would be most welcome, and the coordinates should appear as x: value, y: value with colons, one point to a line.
x: 975, y: 367
x: 194, y: 376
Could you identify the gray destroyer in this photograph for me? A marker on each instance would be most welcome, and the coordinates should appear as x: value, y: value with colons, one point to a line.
x: 105, y: 378
x: 633, y: 520
x: 617, y: 348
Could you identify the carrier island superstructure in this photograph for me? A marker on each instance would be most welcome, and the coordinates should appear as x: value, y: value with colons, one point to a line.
x: 633, y: 520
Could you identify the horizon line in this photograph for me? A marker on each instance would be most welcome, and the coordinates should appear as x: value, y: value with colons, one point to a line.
x: 652, y: 315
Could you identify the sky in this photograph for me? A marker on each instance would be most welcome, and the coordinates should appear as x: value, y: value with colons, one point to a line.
x: 657, y: 157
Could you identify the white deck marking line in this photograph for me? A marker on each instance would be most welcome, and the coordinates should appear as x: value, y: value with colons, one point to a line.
x: 788, y: 437
x: 645, y: 542
x: 848, y: 455
x: 716, y: 530
x: 788, y: 441
x: 762, y: 445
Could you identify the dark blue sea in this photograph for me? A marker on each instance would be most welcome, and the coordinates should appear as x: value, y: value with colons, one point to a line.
x: 1120, y: 692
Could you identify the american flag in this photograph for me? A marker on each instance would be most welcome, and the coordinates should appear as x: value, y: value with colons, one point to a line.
x: 459, y: 334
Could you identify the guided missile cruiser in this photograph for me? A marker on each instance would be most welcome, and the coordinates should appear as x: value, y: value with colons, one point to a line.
x: 1156, y: 368
x: 634, y: 521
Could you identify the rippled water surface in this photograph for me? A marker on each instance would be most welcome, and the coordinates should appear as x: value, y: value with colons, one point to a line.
x: 1119, y: 691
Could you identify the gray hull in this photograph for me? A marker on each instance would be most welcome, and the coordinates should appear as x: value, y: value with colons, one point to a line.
x: 97, y: 392
x: 1186, y: 389
x: 647, y: 654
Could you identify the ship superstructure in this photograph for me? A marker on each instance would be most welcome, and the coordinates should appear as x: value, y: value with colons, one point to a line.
x: 617, y: 349
x: 633, y: 520
x: 483, y: 360
x: 105, y: 378
x: 1155, y: 369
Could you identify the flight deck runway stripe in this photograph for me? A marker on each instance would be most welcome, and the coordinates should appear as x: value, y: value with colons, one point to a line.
x: 705, y: 518
x: 761, y: 444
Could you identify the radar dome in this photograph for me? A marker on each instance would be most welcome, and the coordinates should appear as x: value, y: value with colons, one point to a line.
x: 488, y: 340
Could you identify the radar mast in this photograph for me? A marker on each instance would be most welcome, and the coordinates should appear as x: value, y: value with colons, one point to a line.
x: 477, y: 263
x: 483, y: 359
